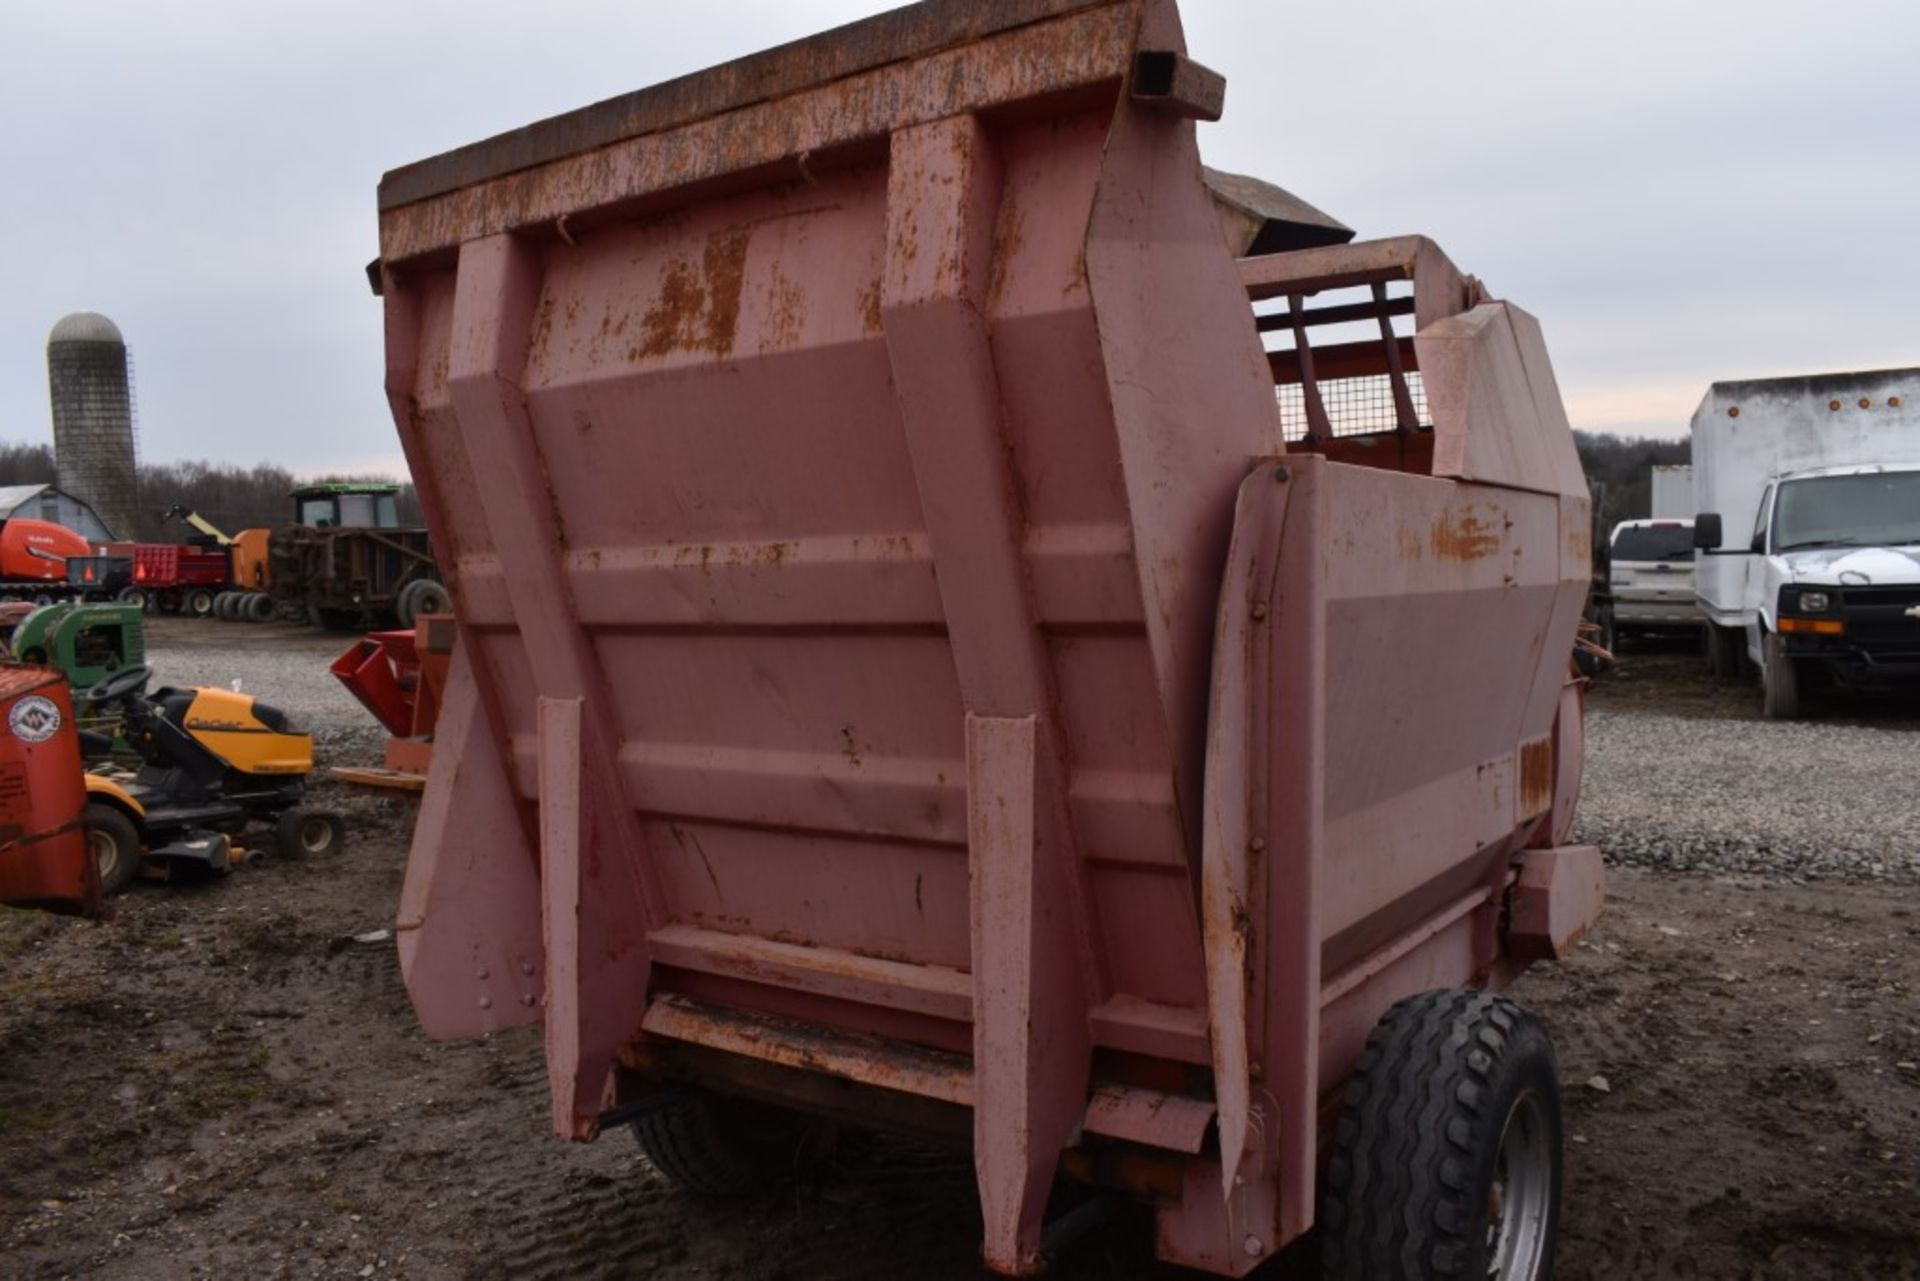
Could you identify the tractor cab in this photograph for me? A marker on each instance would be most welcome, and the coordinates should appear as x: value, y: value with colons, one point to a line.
x: 347, y: 505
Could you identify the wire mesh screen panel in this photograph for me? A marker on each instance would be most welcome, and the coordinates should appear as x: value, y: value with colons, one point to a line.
x: 1355, y: 406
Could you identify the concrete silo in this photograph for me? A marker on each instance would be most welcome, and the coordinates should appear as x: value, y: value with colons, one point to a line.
x: 93, y: 417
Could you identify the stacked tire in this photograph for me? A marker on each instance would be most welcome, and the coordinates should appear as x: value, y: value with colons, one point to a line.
x: 419, y: 597
x: 251, y: 607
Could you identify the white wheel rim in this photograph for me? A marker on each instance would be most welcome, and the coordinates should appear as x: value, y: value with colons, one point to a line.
x: 105, y: 851
x: 1521, y: 1199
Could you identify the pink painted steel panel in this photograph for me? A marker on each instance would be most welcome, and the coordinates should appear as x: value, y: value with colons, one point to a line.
x: 895, y: 642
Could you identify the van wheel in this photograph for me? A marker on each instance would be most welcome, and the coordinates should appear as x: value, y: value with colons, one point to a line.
x: 1446, y: 1158
x: 714, y: 1146
x: 1723, y: 651
x: 1779, y: 680
x: 114, y: 844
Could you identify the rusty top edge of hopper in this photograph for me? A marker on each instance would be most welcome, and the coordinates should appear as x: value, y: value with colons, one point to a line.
x: 893, y: 36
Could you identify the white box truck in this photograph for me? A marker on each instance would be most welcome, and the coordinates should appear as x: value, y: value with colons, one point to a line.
x: 1672, y: 496
x: 1808, y: 499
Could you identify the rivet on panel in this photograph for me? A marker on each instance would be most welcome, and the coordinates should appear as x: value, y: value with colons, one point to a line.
x: 526, y: 967
x: 1257, y: 844
x: 1259, y: 609
x: 527, y: 1000
x: 1282, y: 474
x: 1833, y: 404
x: 486, y: 1002
x: 481, y: 974
x: 1254, y: 1247
x: 1865, y: 403
x: 1893, y: 402
x: 1734, y: 412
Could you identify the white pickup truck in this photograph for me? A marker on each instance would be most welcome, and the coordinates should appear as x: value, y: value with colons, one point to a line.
x: 1650, y: 572
x: 1818, y: 482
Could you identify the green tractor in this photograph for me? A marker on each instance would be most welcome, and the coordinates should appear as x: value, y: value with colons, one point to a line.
x: 88, y: 643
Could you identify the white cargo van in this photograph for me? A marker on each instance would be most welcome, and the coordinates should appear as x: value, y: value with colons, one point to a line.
x: 1817, y: 483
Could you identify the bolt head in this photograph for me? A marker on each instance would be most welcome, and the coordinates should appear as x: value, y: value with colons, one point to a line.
x: 486, y: 1002
x: 1255, y: 1247
x: 1260, y: 609
x: 481, y: 974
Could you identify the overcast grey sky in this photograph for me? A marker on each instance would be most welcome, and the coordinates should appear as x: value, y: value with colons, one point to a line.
x: 1682, y: 192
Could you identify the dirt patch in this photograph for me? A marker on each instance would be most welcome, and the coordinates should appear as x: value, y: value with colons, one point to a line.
x: 1761, y: 1116
x: 221, y: 1080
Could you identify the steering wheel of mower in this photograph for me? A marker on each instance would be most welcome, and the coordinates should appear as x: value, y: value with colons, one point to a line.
x: 118, y: 685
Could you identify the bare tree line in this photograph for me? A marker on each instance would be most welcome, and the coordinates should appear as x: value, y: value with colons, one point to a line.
x: 233, y: 498
x: 246, y: 497
x: 1620, y: 472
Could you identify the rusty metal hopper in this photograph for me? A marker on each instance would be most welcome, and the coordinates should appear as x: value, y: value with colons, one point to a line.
x: 900, y: 644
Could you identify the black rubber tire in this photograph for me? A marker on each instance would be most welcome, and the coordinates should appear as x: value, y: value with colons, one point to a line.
x: 426, y: 596
x: 256, y: 607
x: 1410, y: 1180
x: 713, y: 1146
x: 1779, y: 680
x: 403, y: 605
x: 307, y: 833
x: 223, y: 605
x: 115, y: 842
x: 1723, y: 651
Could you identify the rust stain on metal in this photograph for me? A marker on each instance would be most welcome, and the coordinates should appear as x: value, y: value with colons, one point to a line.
x: 698, y: 308
x: 542, y: 325
x: 1536, y: 777
x: 1409, y: 543
x: 1009, y: 239
x: 1580, y: 541
x: 786, y: 308
x: 1463, y: 536
x: 870, y: 307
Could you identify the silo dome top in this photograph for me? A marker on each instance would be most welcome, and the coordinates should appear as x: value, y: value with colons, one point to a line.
x: 85, y: 326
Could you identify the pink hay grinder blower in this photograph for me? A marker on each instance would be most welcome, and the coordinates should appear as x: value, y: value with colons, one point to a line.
x: 955, y: 632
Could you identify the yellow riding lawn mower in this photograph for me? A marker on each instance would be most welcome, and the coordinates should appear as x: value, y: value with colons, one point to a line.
x: 211, y: 762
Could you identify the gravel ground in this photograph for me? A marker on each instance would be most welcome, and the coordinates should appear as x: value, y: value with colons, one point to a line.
x: 1801, y: 801
x: 279, y: 663
x: 1683, y: 775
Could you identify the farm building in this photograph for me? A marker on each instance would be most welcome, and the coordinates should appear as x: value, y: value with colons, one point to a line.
x: 45, y: 502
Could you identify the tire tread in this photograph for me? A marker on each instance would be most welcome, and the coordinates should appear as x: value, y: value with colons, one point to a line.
x: 1402, y: 1175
